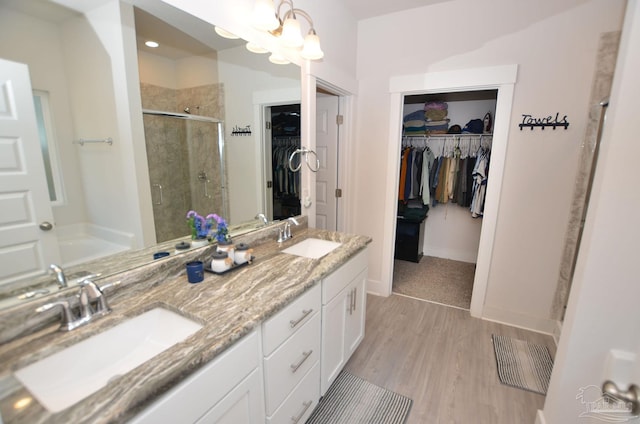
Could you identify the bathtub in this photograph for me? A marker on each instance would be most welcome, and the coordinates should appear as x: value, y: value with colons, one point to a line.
x: 82, y: 248
x: 80, y: 243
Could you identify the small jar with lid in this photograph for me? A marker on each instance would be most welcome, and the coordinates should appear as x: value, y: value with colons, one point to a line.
x: 221, y: 262
x: 226, y: 247
x: 242, y: 254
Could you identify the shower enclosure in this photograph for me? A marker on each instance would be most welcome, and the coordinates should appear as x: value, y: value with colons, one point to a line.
x: 186, y: 161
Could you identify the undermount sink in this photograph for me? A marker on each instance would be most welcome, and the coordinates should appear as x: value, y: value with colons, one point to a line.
x: 66, y: 377
x: 312, y: 248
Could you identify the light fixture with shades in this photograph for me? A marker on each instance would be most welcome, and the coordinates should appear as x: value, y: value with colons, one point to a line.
x: 286, y: 27
x: 225, y: 34
x: 256, y: 48
x: 278, y: 59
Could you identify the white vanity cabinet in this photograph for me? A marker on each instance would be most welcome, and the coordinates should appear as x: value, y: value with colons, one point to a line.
x: 343, y: 316
x: 291, y: 347
x: 227, y: 390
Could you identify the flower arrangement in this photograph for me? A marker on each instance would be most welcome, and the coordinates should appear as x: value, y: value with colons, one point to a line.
x: 201, y: 227
x: 222, y: 232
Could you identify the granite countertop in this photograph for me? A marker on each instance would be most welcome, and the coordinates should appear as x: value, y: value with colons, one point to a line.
x: 229, y: 306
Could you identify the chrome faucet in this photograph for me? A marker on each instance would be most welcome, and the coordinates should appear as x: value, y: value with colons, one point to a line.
x: 97, y: 301
x: 263, y: 218
x: 285, y: 233
x: 62, y: 279
x: 92, y: 304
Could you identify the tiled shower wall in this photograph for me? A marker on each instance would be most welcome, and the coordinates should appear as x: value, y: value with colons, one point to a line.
x: 185, y: 165
x: 607, y: 53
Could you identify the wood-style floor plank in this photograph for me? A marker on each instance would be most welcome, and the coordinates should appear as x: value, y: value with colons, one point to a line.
x: 443, y: 359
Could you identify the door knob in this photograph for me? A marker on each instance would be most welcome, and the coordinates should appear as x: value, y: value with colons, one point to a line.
x: 630, y: 396
x: 46, y: 226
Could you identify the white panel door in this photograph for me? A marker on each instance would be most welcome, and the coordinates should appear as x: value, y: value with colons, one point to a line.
x: 25, y: 249
x: 327, y: 149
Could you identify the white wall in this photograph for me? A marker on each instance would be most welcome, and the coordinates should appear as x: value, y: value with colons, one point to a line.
x: 105, y: 102
x: 186, y: 72
x: 554, y: 45
x: 38, y: 43
x: 603, y: 311
x: 248, y: 77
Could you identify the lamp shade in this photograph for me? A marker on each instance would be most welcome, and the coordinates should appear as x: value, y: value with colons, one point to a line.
x: 264, y: 15
x: 225, y: 34
x: 291, y: 35
x: 255, y: 48
x: 311, y: 49
x: 278, y: 59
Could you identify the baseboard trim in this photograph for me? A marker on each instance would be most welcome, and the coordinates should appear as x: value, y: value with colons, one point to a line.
x: 376, y: 287
x: 514, y: 319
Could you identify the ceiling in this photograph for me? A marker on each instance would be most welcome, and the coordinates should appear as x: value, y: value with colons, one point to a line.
x: 364, y: 9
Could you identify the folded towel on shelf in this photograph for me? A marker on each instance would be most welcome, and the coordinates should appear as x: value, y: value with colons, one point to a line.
x: 418, y: 115
x: 429, y: 124
x: 415, y: 131
x: 436, y: 114
x: 436, y: 105
x: 416, y: 123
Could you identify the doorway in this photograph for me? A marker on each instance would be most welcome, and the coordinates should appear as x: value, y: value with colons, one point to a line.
x: 283, y: 138
x: 445, y: 156
x: 500, y: 78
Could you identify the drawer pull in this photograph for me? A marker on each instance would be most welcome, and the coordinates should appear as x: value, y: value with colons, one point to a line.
x: 355, y: 298
x: 305, y: 356
x: 305, y: 313
x: 306, y: 404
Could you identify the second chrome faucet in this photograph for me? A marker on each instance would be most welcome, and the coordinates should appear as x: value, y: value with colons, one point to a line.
x: 285, y: 232
x: 92, y: 304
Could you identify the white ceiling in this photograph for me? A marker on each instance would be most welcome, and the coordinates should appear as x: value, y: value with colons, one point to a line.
x: 363, y: 9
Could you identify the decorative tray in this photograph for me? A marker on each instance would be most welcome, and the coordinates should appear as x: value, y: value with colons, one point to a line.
x: 207, y: 267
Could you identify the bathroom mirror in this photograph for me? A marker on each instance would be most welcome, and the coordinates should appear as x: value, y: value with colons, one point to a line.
x: 88, y: 182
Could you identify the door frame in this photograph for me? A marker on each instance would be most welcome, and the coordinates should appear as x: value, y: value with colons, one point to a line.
x: 345, y: 104
x: 501, y: 78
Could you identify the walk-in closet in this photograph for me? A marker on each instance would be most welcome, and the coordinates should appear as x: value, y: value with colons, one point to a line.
x: 445, y: 155
x: 285, y: 139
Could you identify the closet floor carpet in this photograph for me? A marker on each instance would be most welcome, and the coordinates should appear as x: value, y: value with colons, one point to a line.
x: 443, y: 359
x: 436, y: 280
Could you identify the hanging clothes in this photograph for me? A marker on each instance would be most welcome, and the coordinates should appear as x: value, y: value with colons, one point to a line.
x: 480, y: 175
x: 445, y: 169
x: 285, y: 181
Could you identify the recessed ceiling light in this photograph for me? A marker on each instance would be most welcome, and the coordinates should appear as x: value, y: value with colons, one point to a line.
x: 151, y: 44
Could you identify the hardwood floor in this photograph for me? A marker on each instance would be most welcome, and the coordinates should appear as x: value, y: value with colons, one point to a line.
x: 443, y: 359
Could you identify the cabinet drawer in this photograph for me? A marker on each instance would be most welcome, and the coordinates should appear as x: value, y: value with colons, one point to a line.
x: 340, y: 278
x: 282, y: 325
x: 286, y: 367
x: 189, y: 400
x: 299, y: 405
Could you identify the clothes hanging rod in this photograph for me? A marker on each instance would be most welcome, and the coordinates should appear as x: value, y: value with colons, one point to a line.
x: 446, y: 135
x: 82, y: 141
